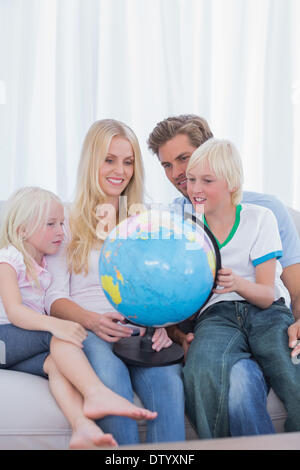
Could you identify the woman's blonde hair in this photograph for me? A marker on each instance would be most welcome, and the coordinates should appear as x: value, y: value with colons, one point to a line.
x: 89, y: 194
x: 224, y: 160
x: 25, y: 212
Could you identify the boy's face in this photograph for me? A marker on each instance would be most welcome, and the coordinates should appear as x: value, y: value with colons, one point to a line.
x: 206, y: 192
x: 174, y: 157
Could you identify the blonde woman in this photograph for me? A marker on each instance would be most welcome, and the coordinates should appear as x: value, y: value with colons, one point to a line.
x: 33, y: 228
x: 110, y: 167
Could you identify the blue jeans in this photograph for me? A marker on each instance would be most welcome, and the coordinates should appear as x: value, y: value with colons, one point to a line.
x: 247, y: 400
x: 226, y: 333
x: 159, y: 388
x: 25, y: 350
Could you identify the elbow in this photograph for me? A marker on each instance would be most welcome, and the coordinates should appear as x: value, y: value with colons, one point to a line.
x: 268, y: 299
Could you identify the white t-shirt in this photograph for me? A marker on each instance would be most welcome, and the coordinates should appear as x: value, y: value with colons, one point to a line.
x: 32, y: 296
x: 253, y: 240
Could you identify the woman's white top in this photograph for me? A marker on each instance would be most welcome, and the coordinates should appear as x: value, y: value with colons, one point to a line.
x: 83, y: 289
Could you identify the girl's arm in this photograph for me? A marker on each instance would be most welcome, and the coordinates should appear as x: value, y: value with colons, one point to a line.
x: 259, y: 293
x: 28, y: 319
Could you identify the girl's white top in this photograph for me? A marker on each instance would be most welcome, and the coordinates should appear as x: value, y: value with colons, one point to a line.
x: 32, y: 296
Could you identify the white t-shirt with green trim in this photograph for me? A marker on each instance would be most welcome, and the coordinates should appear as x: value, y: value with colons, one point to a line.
x: 254, y: 239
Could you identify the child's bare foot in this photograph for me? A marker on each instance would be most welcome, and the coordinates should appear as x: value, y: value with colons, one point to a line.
x: 103, y: 401
x: 87, y: 435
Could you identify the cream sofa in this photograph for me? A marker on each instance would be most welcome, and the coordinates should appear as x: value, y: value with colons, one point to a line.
x: 30, y: 418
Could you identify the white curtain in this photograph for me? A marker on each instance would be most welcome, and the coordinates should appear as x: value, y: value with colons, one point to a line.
x: 66, y: 63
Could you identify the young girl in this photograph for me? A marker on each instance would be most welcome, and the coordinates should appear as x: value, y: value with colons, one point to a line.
x: 110, y: 177
x: 33, y: 227
x: 247, y: 316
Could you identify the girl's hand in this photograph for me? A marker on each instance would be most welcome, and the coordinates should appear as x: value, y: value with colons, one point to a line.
x: 68, y: 331
x: 228, y: 280
x: 107, y: 326
x: 161, y: 339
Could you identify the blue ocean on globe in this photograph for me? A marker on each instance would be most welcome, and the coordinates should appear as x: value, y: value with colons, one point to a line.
x: 157, y: 268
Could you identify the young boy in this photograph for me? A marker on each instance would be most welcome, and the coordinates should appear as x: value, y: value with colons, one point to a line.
x: 247, y: 315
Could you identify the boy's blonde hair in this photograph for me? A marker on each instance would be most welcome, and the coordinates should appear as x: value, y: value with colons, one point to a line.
x: 224, y: 160
x: 89, y: 194
x: 26, y: 211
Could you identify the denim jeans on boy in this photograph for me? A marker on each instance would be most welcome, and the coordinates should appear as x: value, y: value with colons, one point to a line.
x: 25, y: 350
x: 226, y: 333
x: 159, y: 388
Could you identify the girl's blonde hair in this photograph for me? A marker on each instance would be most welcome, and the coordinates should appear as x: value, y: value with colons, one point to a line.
x: 224, y: 160
x: 89, y: 194
x: 26, y: 211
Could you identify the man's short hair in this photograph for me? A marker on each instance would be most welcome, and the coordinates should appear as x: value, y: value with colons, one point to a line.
x: 195, y: 127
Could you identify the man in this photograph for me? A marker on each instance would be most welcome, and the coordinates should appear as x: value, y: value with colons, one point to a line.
x: 173, y: 141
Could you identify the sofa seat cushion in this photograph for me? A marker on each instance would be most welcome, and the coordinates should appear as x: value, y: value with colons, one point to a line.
x: 30, y: 417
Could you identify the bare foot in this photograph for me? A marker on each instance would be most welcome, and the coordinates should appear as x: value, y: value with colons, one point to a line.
x: 102, y: 402
x: 87, y: 435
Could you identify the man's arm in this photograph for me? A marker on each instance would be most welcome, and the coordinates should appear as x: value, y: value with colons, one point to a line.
x: 291, y: 279
x: 180, y: 337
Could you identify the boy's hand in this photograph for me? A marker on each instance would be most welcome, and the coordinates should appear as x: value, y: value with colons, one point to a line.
x: 228, y: 280
x: 68, y: 331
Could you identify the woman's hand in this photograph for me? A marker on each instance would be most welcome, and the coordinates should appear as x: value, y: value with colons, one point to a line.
x: 161, y: 339
x: 68, y: 331
x: 107, y: 326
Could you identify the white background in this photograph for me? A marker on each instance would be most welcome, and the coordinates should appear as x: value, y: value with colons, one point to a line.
x: 66, y: 63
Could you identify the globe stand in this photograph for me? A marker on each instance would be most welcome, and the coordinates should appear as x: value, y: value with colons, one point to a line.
x: 137, y: 351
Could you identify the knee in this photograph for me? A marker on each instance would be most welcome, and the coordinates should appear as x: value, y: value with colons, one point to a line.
x: 171, y: 379
x: 49, y: 366
x: 199, y: 372
x: 246, y: 382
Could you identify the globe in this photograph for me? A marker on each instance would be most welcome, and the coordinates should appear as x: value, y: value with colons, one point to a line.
x: 158, y: 268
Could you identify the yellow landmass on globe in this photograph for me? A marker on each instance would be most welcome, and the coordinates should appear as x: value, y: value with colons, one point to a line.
x: 211, y: 261
x: 111, y: 288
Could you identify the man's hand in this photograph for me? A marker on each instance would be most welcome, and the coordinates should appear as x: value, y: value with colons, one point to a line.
x: 186, y: 344
x: 294, y: 335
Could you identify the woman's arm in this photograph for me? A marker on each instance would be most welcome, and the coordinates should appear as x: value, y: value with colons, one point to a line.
x: 28, y: 319
x: 104, y: 325
x: 259, y: 293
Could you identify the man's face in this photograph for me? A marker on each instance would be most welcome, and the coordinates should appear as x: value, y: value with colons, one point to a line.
x: 174, y: 156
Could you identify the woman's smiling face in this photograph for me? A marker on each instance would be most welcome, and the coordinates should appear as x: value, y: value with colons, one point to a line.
x: 117, y: 169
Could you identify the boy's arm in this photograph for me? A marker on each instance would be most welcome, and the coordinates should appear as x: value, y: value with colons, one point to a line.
x: 259, y: 293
